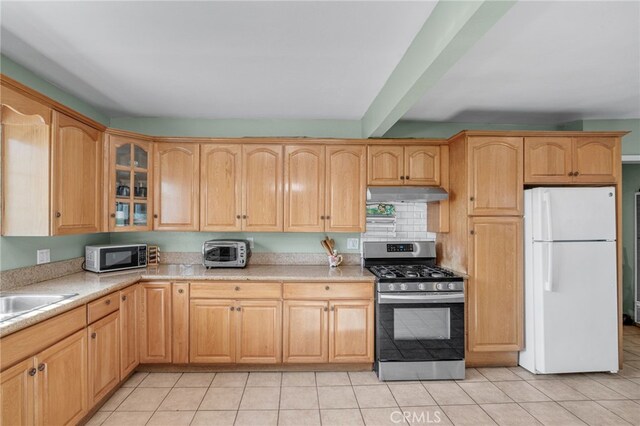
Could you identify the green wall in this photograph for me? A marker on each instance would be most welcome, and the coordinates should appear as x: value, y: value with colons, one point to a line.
x: 630, y: 185
x: 280, y: 242
x: 431, y: 129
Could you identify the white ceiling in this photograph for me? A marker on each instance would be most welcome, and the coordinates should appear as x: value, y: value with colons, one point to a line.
x: 545, y: 62
x: 307, y: 59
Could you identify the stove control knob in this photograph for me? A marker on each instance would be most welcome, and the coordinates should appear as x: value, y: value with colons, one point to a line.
x: 452, y: 286
x: 421, y: 286
x: 391, y: 287
x: 440, y: 286
x: 403, y: 286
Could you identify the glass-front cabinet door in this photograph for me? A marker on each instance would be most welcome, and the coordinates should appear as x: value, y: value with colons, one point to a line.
x: 129, y: 184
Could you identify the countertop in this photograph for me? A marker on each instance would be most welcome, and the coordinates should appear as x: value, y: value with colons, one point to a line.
x: 90, y: 286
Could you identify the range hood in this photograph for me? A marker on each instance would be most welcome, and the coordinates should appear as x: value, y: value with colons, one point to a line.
x: 405, y: 194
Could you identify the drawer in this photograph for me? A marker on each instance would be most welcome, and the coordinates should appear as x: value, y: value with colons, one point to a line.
x: 236, y: 290
x: 328, y: 290
x: 102, y: 307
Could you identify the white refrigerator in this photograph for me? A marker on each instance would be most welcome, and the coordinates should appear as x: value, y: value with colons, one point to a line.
x: 571, y: 308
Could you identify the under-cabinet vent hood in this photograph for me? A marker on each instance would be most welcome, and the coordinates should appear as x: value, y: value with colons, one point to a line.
x: 405, y: 194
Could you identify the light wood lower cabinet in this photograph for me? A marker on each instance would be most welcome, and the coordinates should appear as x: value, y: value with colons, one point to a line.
x: 129, y: 350
x: 155, y: 323
x: 212, y: 331
x: 16, y: 394
x: 328, y: 331
x: 180, y: 323
x: 61, y: 395
x: 259, y: 331
x: 104, y: 356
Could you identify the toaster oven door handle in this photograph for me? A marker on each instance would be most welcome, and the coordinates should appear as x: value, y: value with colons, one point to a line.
x: 421, y: 298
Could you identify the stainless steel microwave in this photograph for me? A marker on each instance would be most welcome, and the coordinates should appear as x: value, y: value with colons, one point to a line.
x: 226, y: 253
x: 106, y: 258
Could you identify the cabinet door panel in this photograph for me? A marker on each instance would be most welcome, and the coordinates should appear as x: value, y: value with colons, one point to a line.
x: 26, y: 135
x: 422, y: 165
x: 61, y: 384
x: 351, y: 331
x: 262, y: 187
x: 304, y: 169
x: 212, y: 331
x: 177, y: 186
x: 346, y: 188
x: 258, y: 332
x: 16, y: 394
x: 495, y: 176
x: 104, y: 368
x: 495, y: 290
x: 386, y: 165
x: 305, y: 331
x: 76, y: 177
x: 155, y: 323
x: 220, y: 178
x: 547, y: 160
x: 129, y: 350
x: 596, y: 159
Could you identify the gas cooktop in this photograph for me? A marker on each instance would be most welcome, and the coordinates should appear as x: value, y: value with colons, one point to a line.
x: 412, y: 272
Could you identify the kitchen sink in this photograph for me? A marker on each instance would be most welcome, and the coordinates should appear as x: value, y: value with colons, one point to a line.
x: 13, y: 305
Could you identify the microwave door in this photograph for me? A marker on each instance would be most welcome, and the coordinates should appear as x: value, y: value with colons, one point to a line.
x: 119, y: 258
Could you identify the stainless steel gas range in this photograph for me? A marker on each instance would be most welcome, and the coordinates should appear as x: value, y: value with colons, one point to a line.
x: 419, y: 312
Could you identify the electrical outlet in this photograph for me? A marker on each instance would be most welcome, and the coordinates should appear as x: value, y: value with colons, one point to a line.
x: 44, y: 256
x: 353, y: 243
x: 250, y: 239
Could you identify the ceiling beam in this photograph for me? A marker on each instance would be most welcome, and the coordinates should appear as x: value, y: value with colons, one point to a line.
x: 448, y: 33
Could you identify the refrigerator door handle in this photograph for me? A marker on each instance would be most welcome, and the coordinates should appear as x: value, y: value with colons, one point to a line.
x: 548, y: 281
x: 547, y: 211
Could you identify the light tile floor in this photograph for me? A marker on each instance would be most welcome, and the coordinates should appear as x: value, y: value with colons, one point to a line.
x: 488, y: 396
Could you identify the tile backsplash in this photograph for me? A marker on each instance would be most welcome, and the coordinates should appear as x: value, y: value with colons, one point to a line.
x: 410, y: 224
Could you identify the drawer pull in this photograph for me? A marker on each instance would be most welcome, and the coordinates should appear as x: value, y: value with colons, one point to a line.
x: 108, y: 301
x: 32, y: 372
x: 181, y: 291
x: 41, y: 367
x: 327, y: 288
x: 237, y: 288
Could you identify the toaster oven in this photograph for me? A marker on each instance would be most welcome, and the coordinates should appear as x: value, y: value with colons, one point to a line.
x: 225, y: 253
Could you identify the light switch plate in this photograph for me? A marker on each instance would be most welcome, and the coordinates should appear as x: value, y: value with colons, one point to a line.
x: 353, y: 243
x: 44, y: 256
x: 250, y: 239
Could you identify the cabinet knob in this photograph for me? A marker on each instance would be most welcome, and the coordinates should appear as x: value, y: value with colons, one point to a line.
x: 41, y: 367
x: 58, y: 214
x: 155, y: 216
x: 232, y: 308
x: 401, y: 177
x: 472, y: 198
x: 112, y: 215
x: 407, y: 177
x: 32, y: 372
x: 181, y: 290
x: 570, y: 173
x: 333, y: 308
x: 238, y: 308
x: 124, y: 298
x: 108, y: 301
x: 93, y: 335
x: 327, y: 288
x: 328, y: 217
x: 244, y: 216
x: 237, y: 288
x: 322, y: 217
x: 238, y: 217
x: 472, y: 232
x: 576, y: 173
x: 326, y: 309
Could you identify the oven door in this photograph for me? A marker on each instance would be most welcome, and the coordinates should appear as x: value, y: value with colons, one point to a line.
x: 221, y: 254
x: 420, y: 326
x: 115, y: 258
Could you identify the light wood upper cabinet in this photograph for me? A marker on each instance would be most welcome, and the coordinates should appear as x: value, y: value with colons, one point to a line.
x: 262, y: 188
x: 221, y: 188
x: 422, y: 165
x: 258, y: 331
x: 304, y: 190
x: 386, y: 165
x: 17, y: 394
x: 177, y: 186
x: 212, y: 331
x: 77, y: 190
x: 346, y: 186
x: 404, y: 165
x: 495, y: 176
x: 26, y: 136
x: 155, y: 323
x: 61, y: 384
x: 596, y: 159
x: 495, y: 290
x: 104, y: 356
x: 547, y: 159
x: 180, y: 323
x: 351, y: 331
x: 129, y: 350
x: 129, y: 184
x: 305, y: 331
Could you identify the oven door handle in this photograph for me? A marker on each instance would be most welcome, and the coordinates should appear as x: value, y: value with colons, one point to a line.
x: 427, y: 298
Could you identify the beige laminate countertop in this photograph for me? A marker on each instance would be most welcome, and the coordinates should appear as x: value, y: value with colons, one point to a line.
x: 90, y: 286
